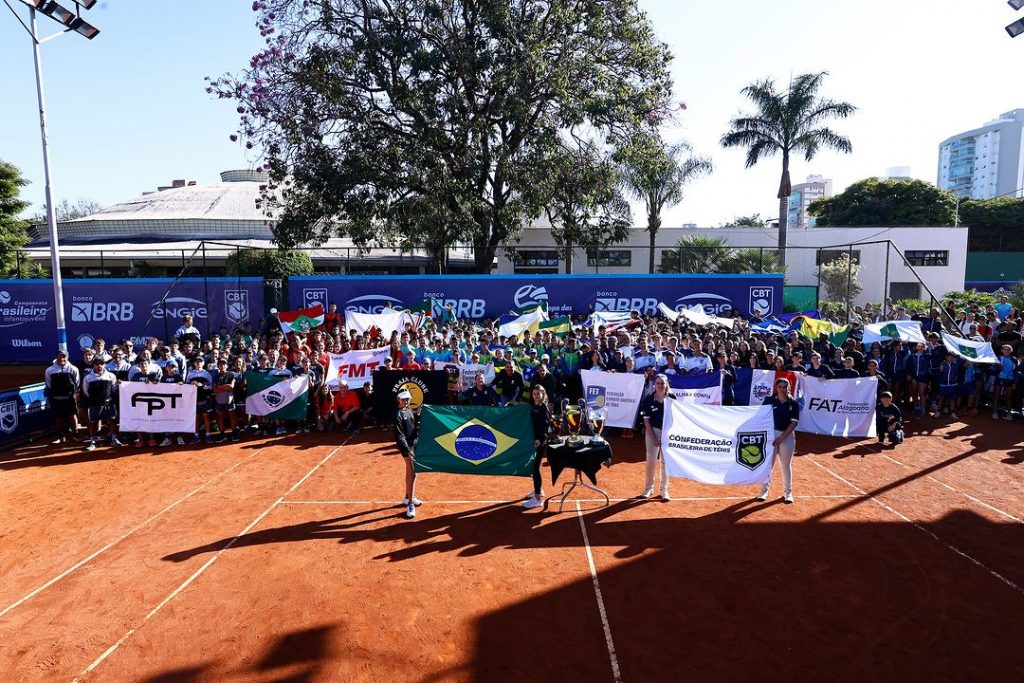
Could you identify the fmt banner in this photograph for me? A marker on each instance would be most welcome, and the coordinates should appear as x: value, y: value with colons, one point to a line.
x: 115, y: 309
x: 479, y: 296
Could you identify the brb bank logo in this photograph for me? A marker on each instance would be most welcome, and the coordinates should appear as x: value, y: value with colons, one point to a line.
x: 86, y: 309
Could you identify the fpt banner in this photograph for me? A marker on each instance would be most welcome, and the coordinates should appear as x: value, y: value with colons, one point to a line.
x: 157, y: 408
x: 480, y: 296
x: 115, y: 309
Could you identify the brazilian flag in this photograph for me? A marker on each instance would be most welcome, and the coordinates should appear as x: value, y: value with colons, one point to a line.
x: 476, y: 440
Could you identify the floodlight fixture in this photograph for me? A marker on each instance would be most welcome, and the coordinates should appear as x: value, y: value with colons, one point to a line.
x: 59, y: 13
x: 35, y: 4
x: 86, y: 4
x: 1016, y: 28
x: 1015, y: 4
x: 83, y: 27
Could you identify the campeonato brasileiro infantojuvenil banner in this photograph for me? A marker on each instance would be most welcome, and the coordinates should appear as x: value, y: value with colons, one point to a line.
x: 718, y: 444
x: 839, y: 407
x: 156, y: 408
x: 618, y: 393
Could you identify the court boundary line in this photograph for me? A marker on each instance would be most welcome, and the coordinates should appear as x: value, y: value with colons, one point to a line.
x: 616, y: 672
x: 953, y: 548
x: 680, y: 499
x: 130, y: 532
x: 206, y: 565
x: 982, y: 503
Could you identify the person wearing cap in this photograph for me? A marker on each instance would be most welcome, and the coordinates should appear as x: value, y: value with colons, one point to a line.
x: 98, y: 393
x: 407, y: 433
x: 785, y: 414
x: 62, y: 380
x: 201, y: 378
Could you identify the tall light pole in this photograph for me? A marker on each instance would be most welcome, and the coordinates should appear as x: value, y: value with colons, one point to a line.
x: 72, y: 21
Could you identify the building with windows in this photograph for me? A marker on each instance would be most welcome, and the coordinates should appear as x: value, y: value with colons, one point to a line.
x: 985, y: 162
x: 803, y: 194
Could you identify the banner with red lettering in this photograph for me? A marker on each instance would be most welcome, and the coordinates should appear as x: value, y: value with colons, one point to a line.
x: 355, y: 367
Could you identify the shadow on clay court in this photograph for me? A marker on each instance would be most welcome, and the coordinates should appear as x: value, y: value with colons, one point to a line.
x: 721, y: 596
x: 296, y: 657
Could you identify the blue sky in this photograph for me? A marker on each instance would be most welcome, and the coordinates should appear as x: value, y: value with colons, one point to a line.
x: 128, y: 111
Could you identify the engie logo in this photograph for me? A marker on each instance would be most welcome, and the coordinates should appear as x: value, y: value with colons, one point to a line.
x: 529, y: 294
x: 369, y: 303
x: 713, y: 304
x: 761, y: 300
x: 236, y: 305
x: 177, y: 307
x: 312, y: 297
x: 85, y: 310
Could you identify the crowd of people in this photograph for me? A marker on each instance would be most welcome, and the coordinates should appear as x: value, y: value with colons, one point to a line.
x: 922, y: 379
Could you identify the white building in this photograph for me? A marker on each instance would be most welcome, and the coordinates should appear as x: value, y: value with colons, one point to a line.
x: 897, y: 173
x: 803, y: 194
x: 938, y: 255
x: 985, y: 162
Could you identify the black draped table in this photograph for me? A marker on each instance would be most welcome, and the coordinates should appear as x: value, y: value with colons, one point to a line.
x: 583, y: 459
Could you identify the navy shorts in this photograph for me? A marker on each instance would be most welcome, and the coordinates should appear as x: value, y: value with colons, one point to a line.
x: 922, y: 379
x: 97, y: 413
x: 64, y: 408
x: 949, y: 390
x: 1006, y: 382
x: 968, y: 389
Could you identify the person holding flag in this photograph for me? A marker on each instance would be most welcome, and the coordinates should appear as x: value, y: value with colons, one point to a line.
x: 786, y: 414
x: 407, y: 433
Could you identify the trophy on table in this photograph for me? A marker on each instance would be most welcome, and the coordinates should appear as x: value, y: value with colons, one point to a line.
x: 573, y: 415
x: 597, y: 416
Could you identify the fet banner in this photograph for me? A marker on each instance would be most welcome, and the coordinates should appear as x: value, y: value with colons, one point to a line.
x: 479, y: 296
x: 157, y: 408
x: 618, y: 393
x: 115, y: 309
x: 355, y: 367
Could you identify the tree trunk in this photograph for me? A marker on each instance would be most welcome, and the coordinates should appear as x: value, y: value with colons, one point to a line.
x: 785, y: 189
x: 568, y: 260
x: 483, y: 258
x: 653, y: 225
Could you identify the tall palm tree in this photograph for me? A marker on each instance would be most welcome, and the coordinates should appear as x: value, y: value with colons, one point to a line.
x: 655, y: 173
x: 788, y: 122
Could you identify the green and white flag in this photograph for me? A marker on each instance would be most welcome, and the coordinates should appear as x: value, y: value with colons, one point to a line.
x: 974, y: 351
x: 279, y: 398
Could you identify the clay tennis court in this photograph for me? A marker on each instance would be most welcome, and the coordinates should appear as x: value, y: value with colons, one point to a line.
x: 287, y: 560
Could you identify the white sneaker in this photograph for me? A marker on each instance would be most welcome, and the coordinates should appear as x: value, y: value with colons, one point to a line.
x: 415, y: 501
x: 410, y: 511
x: 665, y: 497
x: 788, y: 499
x: 166, y: 442
x: 181, y: 441
x: 764, y: 492
x: 646, y: 494
x: 531, y: 494
x: 533, y: 503
x: 91, y: 446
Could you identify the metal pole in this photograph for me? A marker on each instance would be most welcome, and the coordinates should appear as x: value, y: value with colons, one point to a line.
x: 103, y: 267
x: 206, y: 290
x: 885, y: 285
x: 849, y: 283
x: 51, y: 217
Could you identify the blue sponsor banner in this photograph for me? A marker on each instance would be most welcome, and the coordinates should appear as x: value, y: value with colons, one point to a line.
x: 115, y: 309
x: 479, y: 296
x: 24, y: 411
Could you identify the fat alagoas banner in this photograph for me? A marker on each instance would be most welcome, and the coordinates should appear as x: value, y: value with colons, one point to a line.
x: 115, y: 309
x: 839, y: 407
x: 156, y: 408
x: 718, y: 444
x: 480, y: 296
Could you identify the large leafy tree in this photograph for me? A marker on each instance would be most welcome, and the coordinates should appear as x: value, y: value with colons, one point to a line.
x: 273, y: 264
x: 788, y: 122
x: 13, y: 234
x: 656, y: 174
x: 379, y: 117
x: 889, y: 202
x: 995, y: 223
x: 697, y: 254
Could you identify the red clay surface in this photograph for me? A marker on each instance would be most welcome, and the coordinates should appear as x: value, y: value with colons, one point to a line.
x: 287, y: 560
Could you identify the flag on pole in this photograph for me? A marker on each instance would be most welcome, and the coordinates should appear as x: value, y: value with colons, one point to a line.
x: 475, y: 440
x: 968, y: 349
x: 696, y: 315
x: 302, y: 320
x: 560, y: 325
x: 904, y: 330
x: 612, y: 320
x: 529, y: 322
x: 275, y: 397
x: 812, y: 328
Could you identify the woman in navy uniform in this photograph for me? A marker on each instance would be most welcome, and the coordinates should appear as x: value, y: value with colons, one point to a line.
x: 652, y: 410
x: 407, y: 433
x: 786, y: 413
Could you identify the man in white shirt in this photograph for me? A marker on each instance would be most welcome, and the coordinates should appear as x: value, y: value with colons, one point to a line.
x: 187, y: 329
x: 699, y: 363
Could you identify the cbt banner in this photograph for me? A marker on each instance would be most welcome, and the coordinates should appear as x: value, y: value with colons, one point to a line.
x: 479, y: 296
x: 115, y: 309
x: 839, y: 407
x: 426, y: 387
x: 24, y: 411
x: 156, y: 408
x: 618, y: 393
x: 718, y: 444
x: 355, y: 367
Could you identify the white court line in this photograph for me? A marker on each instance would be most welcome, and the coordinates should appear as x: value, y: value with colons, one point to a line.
x: 616, y: 674
x: 206, y: 565
x: 110, y: 545
x: 962, y: 493
x: 953, y: 548
x: 519, y: 500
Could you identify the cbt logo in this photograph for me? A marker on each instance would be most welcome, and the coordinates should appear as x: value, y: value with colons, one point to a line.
x: 761, y: 300
x: 8, y: 416
x: 368, y: 303
x: 713, y: 304
x: 528, y: 295
x: 236, y: 305
x: 312, y: 297
x: 101, y: 311
x: 176, y: 307
x: 750, y: 447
